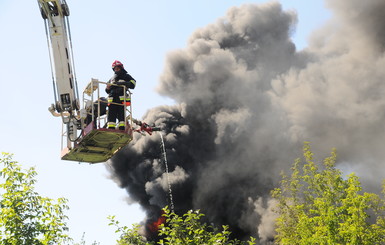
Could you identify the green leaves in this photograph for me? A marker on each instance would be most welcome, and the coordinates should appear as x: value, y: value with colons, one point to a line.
x: 25, y: 216
x: 180, y: 230
x: 127, y: 236
x: 189, y: 229
x: 318, y: 206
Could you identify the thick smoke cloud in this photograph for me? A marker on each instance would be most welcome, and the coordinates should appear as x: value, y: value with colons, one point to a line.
x: 337, y: 99
x: 246, y: 100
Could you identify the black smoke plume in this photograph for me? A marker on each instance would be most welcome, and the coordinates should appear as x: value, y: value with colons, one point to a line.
x: 246, y: 100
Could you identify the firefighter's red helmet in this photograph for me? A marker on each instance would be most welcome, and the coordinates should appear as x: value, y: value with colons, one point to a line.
x: 117, y: 63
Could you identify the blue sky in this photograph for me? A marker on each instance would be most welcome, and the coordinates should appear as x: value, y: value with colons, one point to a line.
x: 138, y: 33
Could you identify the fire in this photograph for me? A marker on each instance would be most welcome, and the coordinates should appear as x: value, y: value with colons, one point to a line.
x: 154, y: 226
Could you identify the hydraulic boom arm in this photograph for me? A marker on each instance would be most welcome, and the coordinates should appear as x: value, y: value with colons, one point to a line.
x: 55, y: 13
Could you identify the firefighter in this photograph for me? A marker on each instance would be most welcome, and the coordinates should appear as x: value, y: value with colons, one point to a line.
x: 116, y: 96
x: 97, y: 111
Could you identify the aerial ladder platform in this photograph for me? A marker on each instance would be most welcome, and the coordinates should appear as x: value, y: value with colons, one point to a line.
x: 85, y: 137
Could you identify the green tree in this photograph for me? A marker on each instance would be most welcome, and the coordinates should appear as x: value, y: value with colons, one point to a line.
x: 318, y: 206
x: 177, y: 230
x: 126, y: 235
x: 25, y: 216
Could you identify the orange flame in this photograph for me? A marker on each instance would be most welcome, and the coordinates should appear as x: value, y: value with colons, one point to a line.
x: 154, y: 226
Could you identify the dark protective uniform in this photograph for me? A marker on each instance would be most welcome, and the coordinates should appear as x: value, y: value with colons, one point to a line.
x: 116, y: 95
x: 97, y: 111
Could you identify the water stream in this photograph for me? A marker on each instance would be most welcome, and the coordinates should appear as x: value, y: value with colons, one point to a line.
x: 167, y: 175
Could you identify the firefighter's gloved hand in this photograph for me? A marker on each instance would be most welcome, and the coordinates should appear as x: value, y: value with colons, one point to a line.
x: 121, y: 83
